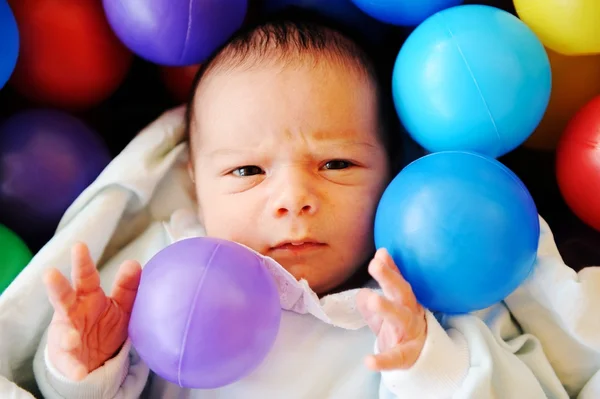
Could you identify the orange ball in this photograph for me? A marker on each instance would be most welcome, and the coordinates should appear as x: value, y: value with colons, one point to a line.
x: 69, y: 56
x: 179, y: 80
x: 575, y: 81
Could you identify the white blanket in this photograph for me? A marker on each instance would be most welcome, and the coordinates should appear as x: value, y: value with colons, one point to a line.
x: 145, y: 183
x: 148, y: 181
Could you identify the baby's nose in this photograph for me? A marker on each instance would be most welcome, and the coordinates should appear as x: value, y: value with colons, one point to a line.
x: 295, y: 210
x: 295, y: 196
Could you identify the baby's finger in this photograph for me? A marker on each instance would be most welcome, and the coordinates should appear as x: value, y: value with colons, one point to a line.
x: 84, y: 274
x: 126, y: 285
x: 373, y: 319
x: 394, y: 286
x: 401, y: 356
x: 60, y: 293
x: 387, y: 259
x: 399, y: 317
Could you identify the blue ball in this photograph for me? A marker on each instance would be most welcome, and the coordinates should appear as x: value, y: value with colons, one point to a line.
x: 461, y: 227
x: 404, y: 12
x: 9, y: 42
x: 471, y: 78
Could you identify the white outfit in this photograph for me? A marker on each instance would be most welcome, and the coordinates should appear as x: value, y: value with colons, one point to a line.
x: 542, y: 341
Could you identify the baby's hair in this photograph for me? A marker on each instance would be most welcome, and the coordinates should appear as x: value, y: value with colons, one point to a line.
x: 300, y: 36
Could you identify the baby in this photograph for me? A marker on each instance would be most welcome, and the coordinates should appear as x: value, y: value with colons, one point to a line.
x: 290, y: 152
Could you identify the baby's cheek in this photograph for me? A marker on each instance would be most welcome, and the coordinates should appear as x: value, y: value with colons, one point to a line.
x: 230, y: 225
x: 360, y: 227
x: 360, y: 238
x: 215, y: 216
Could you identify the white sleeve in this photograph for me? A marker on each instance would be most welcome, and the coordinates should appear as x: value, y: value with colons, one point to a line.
x: 562, y: 309
x: 476, y: 356
x: 122, y: 377
x: 542, y: 341
x: 441, y: 367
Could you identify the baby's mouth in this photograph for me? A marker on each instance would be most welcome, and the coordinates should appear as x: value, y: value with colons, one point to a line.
x: 297, y: 246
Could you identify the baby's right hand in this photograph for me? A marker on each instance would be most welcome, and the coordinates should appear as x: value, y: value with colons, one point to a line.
x: 88, y: 328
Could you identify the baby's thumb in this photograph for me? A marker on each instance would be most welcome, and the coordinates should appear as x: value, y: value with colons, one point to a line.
x: 63, y: 340
x: 62, y: 335
x: 69, y: 366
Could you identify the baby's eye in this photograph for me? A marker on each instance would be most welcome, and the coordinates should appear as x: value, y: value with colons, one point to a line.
x: 337, y: 164
x: 249, y: 170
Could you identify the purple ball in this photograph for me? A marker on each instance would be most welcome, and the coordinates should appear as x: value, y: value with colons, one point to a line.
x: 175, y: 32
x: 207, y: 313
x: 47, y: 158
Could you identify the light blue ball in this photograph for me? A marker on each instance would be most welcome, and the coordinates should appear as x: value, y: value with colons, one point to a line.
x: 462, y: 229
x: 9, y: 42
x: 471, y: 78
x: 403, y: 12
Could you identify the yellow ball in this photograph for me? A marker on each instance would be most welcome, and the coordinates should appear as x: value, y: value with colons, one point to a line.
x: 575, y: 81
x: 570, y: 27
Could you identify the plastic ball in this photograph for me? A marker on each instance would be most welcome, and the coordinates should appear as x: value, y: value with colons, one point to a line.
x: 568, y: 27
x: 207, y: 313
x: 47, y: 159
x: 175, y: 32
x: 14, y: 256
x: 9, y: 45
x: 461, y: 227
x: 578, y: 164
x: 575, y: 81
x: 404, y: 12
x: 69, y: 56
x: 472, y: 78
x: 179, y: 80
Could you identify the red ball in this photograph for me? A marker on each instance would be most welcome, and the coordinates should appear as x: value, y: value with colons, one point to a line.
x: 578, y: 164
x: 69, y: 56
x: 179, y: 80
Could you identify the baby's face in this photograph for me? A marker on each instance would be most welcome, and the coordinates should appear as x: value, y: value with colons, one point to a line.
x: 289, y: 162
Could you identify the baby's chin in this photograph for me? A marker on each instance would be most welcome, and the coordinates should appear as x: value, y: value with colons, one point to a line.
x: 320, y: 278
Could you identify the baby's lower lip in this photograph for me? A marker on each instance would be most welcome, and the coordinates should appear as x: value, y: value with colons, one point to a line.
x: 307, y: 246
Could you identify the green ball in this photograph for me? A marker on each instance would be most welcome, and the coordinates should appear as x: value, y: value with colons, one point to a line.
x: 14, y: 256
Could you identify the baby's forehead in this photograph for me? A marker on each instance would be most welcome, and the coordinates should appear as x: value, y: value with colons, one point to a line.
x: 302, y: 90
x: 256, y: 64
x: 288, y: 43
x: 265, y: 128
x: 248, y: 67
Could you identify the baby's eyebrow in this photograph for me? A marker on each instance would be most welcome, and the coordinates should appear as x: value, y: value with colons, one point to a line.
x: 333, y: 145
x: 355, y: 143
x: 228, y: 151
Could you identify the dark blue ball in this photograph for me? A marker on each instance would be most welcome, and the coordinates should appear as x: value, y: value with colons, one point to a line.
x: 9, y: 42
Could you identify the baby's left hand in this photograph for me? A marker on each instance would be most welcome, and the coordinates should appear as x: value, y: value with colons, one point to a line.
x: 396, y: 318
